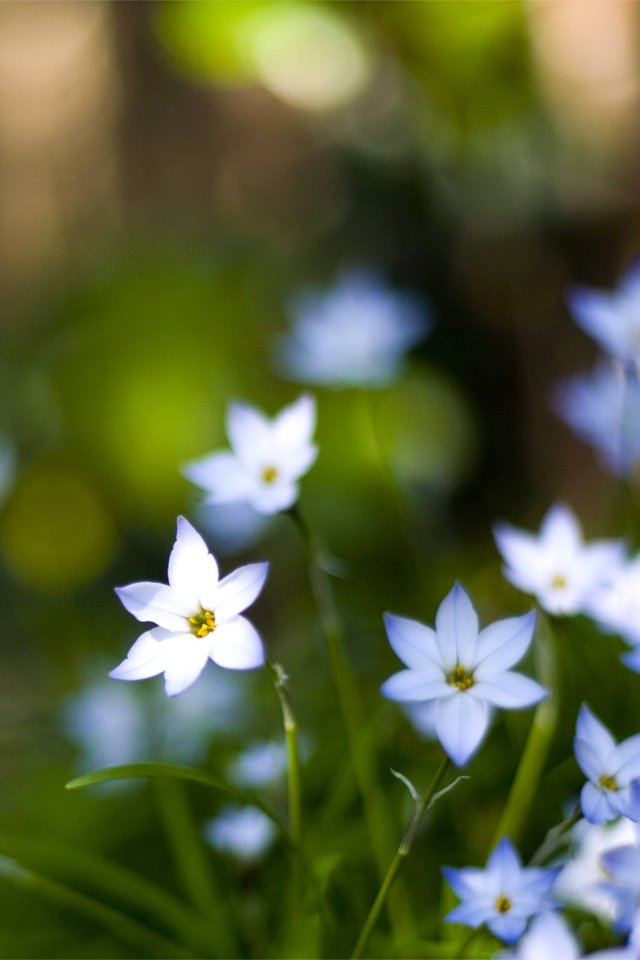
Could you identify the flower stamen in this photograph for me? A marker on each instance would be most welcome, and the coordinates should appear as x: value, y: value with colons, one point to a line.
x: 461, y: 678
x: 609, y: 783
x: 559, y: 582
x: 503, y: 904
x: 269, y: 474
x: 203, y: 623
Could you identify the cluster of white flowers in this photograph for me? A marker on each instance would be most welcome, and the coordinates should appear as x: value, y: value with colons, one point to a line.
x: 455, y: 674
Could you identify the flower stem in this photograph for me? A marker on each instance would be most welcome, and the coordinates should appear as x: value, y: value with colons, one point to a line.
x: 279, y: 678
x: 403, y: 850
x: 543, y: 727
x: 353, y: 717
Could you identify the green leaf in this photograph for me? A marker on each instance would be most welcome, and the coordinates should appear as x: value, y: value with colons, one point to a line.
x: 149, y: 769
x: 122, y: 926
x: 116, y: 883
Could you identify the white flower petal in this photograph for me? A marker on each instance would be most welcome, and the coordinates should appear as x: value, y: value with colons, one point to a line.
x: 521, y: 552
x: 293, y: 462
x: 593, y: 732
x: 457, y: 628
x: 414, y: 643
x: 508, y: 690
x: 461, y: 723
x: 250, y: 433
x: 236, y: 645
x: 411, y: 686
x: 193, y: 571
x: 595, y: 805
x: 561, y: 531
x: 274, y: 497
x: 239, y: 589
x: 147, y: 657
x: 503, y: 643
x: 222, y: 475
x: 295, y: 424
x: 155, y: 603
x: 185, y: 665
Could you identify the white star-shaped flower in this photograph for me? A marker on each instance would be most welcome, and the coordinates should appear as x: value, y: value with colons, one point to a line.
x: 197, y: 616
x: 612, y: 318
x: 354, y: 334
x: 616, y: 607
x: 504, y: 895
x: 556, y: 566
x: 266, y: 460
x: 613, y: 770
x: 463, y: 670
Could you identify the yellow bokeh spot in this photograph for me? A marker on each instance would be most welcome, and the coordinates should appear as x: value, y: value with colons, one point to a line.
x: 56, y: 532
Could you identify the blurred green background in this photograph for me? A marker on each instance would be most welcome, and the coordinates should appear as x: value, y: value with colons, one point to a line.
x: 171, y: 174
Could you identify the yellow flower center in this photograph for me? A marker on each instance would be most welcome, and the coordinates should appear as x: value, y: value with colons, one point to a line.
x: 559, y: 582
x: 269, y: 474
x: 461, y: 678
x: 609, y: 783
x: 203, y: 623
x: 503, y: 904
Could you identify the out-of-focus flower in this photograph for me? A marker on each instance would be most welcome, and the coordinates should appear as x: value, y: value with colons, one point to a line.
x: 616, y: 607
x: 611, y: 318
x: 504, y: 895
x: 603, y: 408
x: 108, y: 724
x: 557, y: 567
x: 267, y: 457
x: 354, y: 334
x: 463, y: 670
x: 244, y: 832
x: 548, y: 936
x: 622, y: 866
x: 260, y: 765
x: 579, y: 881
x: 613, y: 770
x: 197, y: 617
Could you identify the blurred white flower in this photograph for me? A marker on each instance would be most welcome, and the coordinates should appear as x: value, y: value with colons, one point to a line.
x: 579, y: 880
x: 603, y: 408
x: 354, y: 334
x: 267, y: 457
x: 259, y: 765
x: 616, y: 607
x: 549, y: 936
x: 612, y: 318
x: 556, y: 566
x: 232, y: 527
x: 244, y: 832
x: 197, y: 617
x: 107, y: 722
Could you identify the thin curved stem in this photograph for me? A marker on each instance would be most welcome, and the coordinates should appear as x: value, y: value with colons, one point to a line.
x: 403, y: 850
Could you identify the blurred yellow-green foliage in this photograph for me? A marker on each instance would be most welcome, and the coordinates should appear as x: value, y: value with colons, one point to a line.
x: 171, y: 175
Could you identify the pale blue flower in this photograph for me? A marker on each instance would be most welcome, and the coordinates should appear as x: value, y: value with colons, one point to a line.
x: 549, y: 937
x: 354, y: 334
x: 260, y: 765
x: 613, y: 771
x: 244, y: 832
x: 464, y: 670
x: 266, y: 460
x: 622, y: 866
x: 197, y: 616
x: 603, y: 408
x: 612, y: 318
x: 579, y: 882
x: 504, y: 895
x: 616, y: 606
x: 557, y: 566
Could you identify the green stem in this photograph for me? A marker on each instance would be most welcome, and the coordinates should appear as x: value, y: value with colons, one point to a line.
x: 353, y: 717
x: 121, y: 926
x: 189, y: 853
x: 279, y: 678
x: 403, y: 850
x: 555, y: 839
x: 545, y: 718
